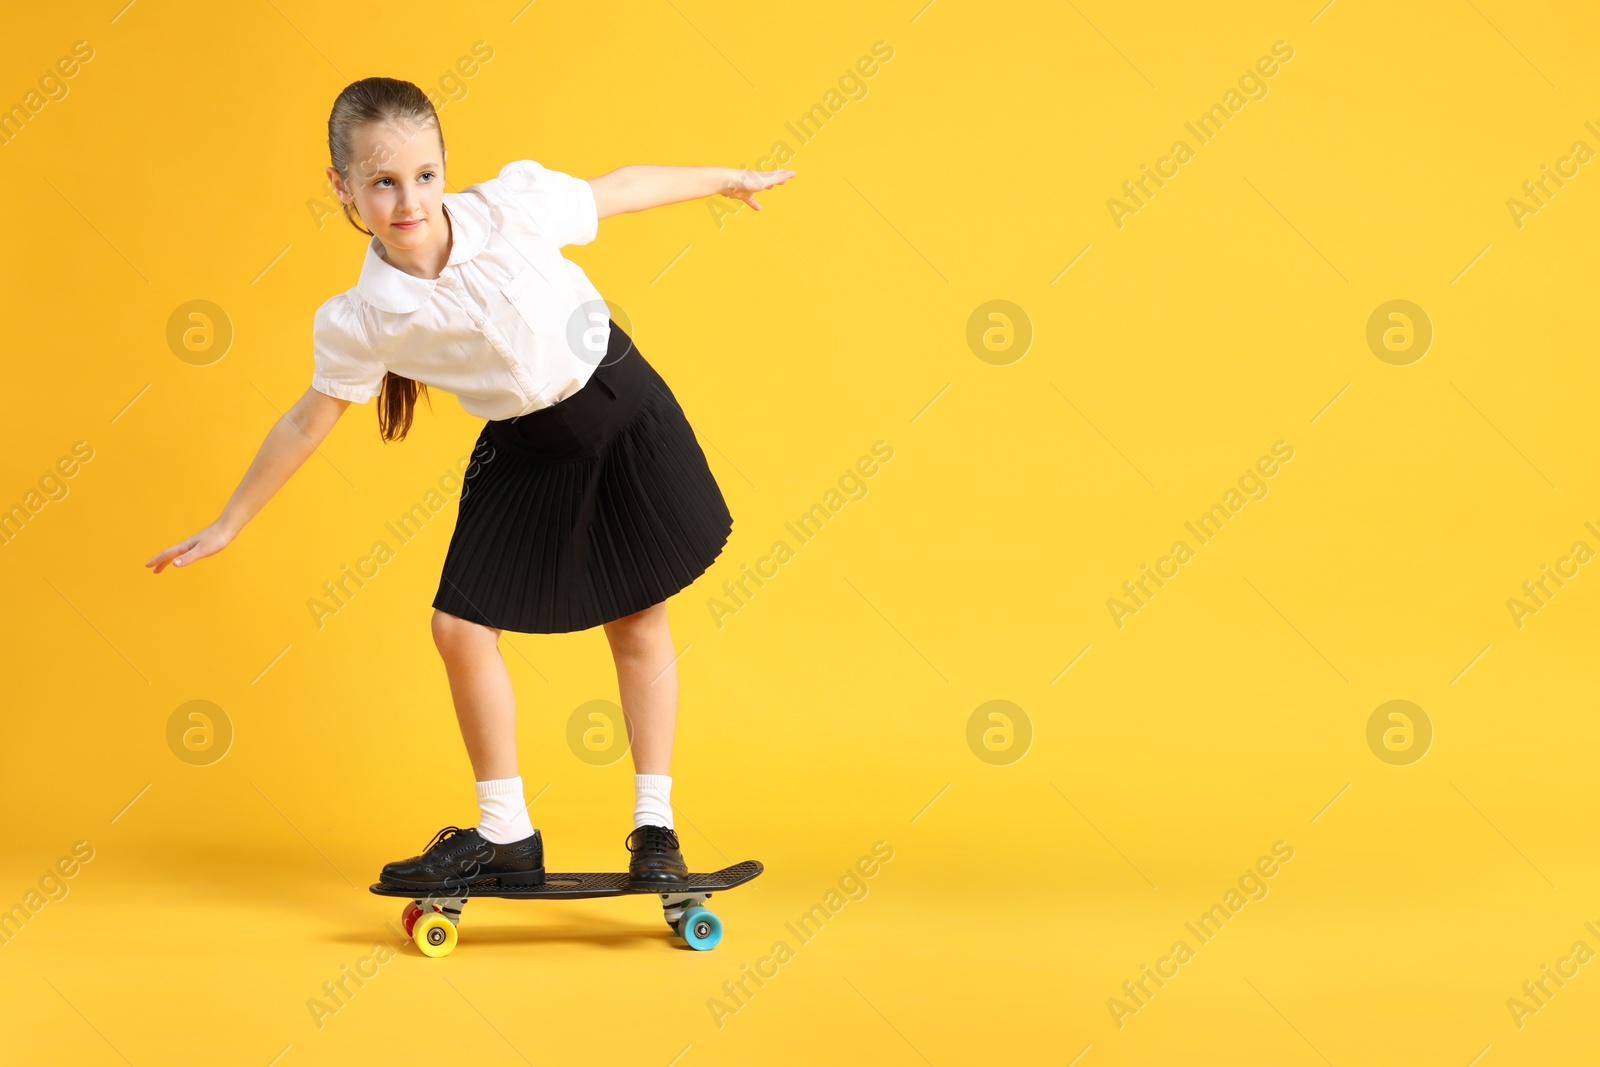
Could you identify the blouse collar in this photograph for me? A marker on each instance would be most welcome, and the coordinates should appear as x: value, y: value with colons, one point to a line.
x: 388, y: 288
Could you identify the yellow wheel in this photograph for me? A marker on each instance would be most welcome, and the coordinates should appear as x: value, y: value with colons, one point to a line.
x: 434, y: 934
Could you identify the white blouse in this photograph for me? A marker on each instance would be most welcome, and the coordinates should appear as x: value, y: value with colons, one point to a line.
x: 509, y: 326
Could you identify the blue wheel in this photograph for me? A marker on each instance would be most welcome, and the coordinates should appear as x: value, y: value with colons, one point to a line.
x: 700, y: 928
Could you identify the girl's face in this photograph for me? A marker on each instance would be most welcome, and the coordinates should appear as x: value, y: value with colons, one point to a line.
x: 397, y: 184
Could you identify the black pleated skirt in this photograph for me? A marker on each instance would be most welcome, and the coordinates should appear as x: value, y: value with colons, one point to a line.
x: 585, y: 511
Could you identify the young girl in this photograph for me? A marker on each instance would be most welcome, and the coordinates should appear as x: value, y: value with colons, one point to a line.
x: 588, y: 501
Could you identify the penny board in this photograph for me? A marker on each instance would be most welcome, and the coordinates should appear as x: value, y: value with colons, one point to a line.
x: 580, y: 885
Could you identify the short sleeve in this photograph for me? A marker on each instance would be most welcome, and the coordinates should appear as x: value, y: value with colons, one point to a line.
x: 562, y: 207
x: 342, y: 365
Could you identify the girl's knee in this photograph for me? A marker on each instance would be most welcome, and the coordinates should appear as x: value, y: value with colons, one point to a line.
x: 640, y: 631
x: 452, y: 633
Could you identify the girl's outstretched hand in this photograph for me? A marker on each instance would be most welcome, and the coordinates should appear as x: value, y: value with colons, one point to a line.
x: 745, y: 182
x: 212, y: 539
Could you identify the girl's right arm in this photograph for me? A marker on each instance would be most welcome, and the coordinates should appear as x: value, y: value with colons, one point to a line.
x: 292, y: 438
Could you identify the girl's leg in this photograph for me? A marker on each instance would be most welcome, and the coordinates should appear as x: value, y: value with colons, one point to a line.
x: 647, y: 677
x: 506, y: 848
x: 480, y: 685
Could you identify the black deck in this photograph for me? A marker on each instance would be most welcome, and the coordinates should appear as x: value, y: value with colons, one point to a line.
x: 575, y: 886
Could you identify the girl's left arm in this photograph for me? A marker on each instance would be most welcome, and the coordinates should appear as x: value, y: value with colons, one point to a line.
x: 646, y: 185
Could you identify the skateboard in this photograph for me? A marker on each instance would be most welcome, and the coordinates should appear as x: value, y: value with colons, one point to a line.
x: 431, y: 921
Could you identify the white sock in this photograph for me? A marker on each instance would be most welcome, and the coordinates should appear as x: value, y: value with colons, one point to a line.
x: 652, y: 804
x: 503, y: 811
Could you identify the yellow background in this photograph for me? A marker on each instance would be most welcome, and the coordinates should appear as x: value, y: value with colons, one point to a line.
x: 832, y: 711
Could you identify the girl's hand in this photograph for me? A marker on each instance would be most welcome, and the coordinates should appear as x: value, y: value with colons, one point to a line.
x: 742, y: 183
x: 212, y: 539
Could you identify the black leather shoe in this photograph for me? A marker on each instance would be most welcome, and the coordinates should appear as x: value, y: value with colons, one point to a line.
x: 656, y: 860
x: 458, y: 859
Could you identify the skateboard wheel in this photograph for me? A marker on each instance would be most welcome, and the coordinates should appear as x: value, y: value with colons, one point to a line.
x: 408, y: 918
x: 434, y: 934
x: 700, y: 928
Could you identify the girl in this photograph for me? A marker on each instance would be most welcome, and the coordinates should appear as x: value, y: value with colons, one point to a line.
x: 588, y: 501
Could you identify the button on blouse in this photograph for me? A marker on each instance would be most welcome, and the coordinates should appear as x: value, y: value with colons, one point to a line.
x: 509, y: 326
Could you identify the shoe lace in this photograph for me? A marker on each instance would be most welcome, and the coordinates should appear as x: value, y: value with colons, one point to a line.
x: 652, y: 837
x: 443, y: 835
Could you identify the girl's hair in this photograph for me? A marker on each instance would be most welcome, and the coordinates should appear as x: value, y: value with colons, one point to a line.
x: 400, y: 105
